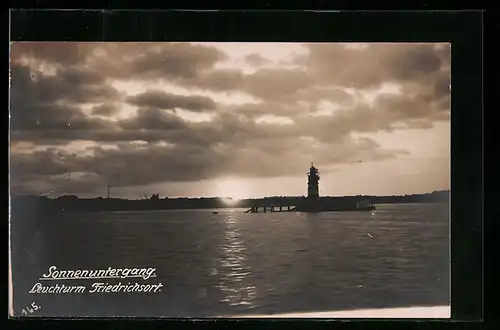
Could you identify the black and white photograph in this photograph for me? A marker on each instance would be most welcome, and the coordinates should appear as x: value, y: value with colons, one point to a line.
x: 230, y: 179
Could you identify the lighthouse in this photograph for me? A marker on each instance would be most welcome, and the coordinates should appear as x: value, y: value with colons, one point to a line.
x: 313, y: 183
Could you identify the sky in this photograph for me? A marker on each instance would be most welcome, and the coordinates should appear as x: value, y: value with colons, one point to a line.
x: 233, y: 120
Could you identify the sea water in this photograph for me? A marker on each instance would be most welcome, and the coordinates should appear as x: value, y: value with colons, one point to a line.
x: 232, y: 263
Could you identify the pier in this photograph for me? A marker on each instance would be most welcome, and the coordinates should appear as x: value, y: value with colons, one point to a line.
x: 271, y: 208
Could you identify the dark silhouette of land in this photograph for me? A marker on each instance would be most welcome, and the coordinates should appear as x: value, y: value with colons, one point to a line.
x: 73, y: 203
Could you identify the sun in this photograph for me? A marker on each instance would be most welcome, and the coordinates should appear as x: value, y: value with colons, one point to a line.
x: 230, y: 188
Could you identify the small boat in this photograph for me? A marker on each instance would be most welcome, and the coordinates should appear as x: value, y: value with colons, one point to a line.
x: 215, y: 212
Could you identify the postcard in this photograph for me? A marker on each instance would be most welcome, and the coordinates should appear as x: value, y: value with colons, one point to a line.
x: 230, y: 179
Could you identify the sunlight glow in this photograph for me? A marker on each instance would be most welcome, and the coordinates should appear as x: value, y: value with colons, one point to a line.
x: 273, y: 119
x: 325, y: 108
x: 230, y: 189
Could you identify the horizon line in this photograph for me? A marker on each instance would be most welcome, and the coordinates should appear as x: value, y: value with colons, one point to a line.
x: 223, y: 197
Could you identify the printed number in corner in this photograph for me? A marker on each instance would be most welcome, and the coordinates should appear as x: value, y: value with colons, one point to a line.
x: 30, y: 309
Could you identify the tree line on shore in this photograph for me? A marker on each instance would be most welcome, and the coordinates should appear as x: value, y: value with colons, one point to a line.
x: 72, y: 202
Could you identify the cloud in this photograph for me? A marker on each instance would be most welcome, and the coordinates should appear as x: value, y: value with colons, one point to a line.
x: 56, y: 53
x: 172, y: 62
x: 255, y: 59
x: 276, y: 83
x: 105, y: 109
x: 125, y: 166
x: 217, y: 80
x: 150, y: 60
x: 38, y: 101
x: 176, y: 60
x: 442, y: 84
x: 162, y: 100
x: 152, y: 119
x: 369, y: 67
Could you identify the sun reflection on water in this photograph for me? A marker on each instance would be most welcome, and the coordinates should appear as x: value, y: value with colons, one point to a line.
x: 234, y: 269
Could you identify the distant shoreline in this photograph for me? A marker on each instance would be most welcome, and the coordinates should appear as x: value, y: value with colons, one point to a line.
x: 73, y: 203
